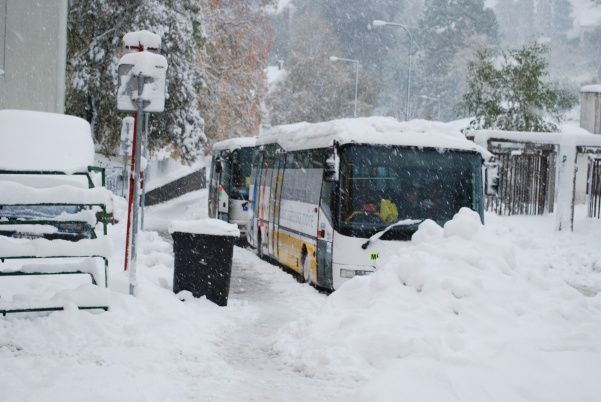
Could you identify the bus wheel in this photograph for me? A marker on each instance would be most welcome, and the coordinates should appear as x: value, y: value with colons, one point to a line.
x: 306, y: 265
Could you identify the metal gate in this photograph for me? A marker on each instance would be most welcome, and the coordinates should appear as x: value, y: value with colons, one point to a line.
x: 526, y: 182
x: 594, y: 187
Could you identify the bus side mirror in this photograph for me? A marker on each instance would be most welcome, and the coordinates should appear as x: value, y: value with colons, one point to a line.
x: 491, y: 179
x: 331, y: 169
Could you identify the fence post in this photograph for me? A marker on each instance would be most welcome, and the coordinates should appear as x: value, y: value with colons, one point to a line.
x: 566, y: 185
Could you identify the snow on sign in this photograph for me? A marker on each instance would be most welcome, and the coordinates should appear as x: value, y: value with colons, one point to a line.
x: 151, y: 66
x: 142, y: 40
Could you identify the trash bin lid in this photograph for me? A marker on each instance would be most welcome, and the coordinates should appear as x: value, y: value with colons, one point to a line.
x: 212, y: 227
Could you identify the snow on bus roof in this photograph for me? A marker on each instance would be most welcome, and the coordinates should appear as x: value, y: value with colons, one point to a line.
x: 44, y: 141
x: 369, y: 130
x: 235, y: 143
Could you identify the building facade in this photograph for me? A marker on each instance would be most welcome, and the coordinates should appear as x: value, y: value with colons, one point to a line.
x: 33, y: 47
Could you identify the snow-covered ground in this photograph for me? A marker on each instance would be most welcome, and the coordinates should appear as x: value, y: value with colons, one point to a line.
x: 509, y: 312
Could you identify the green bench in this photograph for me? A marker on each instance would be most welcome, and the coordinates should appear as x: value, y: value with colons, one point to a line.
x: 92, y: 203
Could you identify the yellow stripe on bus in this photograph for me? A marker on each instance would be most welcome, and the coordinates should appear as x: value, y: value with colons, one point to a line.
x: 290, y: 249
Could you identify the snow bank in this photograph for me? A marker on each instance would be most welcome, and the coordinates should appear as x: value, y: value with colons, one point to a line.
x: 159, y: 217
x: 370, y: 130
x: 213, y: 227
x: 44, y: 141
x: 163, y: 171
x: 453, y: 317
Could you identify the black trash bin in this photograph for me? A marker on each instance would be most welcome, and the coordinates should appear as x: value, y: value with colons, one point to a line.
x: 203, y: 258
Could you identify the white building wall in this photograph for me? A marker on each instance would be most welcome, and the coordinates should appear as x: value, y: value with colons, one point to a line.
x: 590, y: 108
x: 33, y: 47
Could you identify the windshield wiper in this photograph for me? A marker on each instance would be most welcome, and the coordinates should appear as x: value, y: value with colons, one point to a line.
x: 405, y: 222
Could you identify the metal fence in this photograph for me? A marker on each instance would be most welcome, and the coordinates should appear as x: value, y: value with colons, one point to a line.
x: 594, y: 188
x: 526, y: 183
x: 116, y: 181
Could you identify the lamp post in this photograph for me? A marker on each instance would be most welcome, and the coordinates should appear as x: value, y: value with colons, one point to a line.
x: 380, y: 23
x: 434, y: 99
x: 356, y: 62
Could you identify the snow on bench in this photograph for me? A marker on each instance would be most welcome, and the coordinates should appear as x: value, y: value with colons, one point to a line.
x: 12, y: 193
x: 44, y: 248
x: 28, y: 228
x: 85, y: 297
x: 42, y: 141
x: 11, y: 248
x: 84, y: 216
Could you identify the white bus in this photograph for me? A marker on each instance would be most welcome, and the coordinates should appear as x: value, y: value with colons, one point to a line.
x: 230, y: 180
x: 327, y: 197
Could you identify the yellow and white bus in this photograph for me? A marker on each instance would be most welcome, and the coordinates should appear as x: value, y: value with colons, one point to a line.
x: 230, y: 180
x: 327, y: 196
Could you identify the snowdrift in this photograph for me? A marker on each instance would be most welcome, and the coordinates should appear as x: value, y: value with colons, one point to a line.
x: 453, y: 316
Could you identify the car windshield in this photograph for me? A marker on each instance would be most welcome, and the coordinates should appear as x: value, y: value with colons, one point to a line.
x: 381, y: 185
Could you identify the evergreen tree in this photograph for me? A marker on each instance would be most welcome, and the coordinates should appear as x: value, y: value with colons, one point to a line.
x: 349, y: 20
x: 96, y: 29
x: 514, y: 96
x: 448, y: 32
x: 315, y: 88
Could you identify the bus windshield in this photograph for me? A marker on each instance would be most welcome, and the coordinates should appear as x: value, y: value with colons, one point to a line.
x: 381, y: 185
x: 241, y: 170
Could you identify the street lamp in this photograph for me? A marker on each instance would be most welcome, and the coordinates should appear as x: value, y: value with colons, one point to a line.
x: 434, y: 99
x: 356, y: 62
x: 380, y: 23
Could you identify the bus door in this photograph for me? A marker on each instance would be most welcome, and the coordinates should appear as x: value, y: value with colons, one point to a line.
x: 264, y: 198
x: 254, y: 194
x: 213, y: 184
x: 274, y: 201
x: 325, y: 236
x: 223, y: 188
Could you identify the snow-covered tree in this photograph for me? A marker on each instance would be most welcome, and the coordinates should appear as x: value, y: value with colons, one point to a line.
x: 514, y: 95
x: 315, y: 88
x: 349, y: 20
x: 234, y: 62
x: 96, y: 28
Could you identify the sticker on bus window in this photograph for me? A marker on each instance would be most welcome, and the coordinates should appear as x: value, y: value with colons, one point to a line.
x: 374, y: 256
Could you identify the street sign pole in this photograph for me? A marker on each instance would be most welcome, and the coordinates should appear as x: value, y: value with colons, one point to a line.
x: 139, y: 68
x: 143, y: 176
x: 136, y: 197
